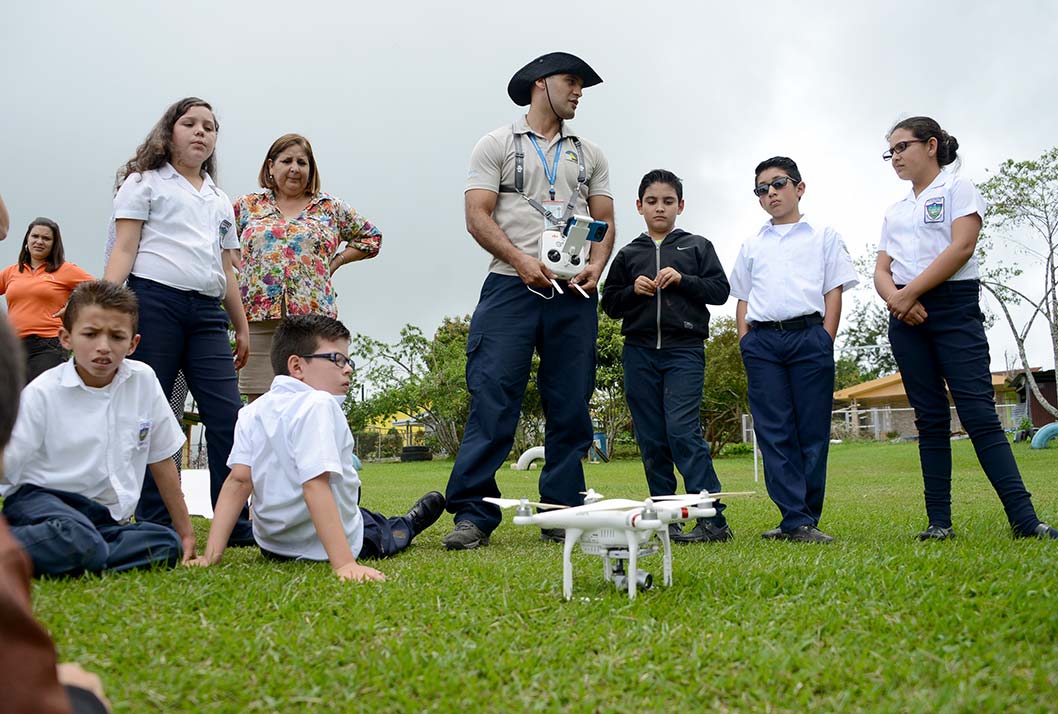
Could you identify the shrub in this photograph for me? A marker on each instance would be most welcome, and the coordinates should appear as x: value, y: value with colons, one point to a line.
x: 737, y: 448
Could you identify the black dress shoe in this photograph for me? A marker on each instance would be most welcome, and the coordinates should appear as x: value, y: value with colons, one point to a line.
x: 705, y: 532
x: 1045, y: 531
x: 1041, y: 531
x: 935, y: 532
x: 807, y: 534
x: 426, y: 511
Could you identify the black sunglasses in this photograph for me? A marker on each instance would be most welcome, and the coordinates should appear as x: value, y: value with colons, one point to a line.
x: 778, y: 184
x: 901, y: 147
x: 337, y: 357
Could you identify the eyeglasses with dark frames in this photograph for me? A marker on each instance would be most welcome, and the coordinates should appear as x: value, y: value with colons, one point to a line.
x: 900, y: 147
x: 777, y: 183
x: 337, y: 358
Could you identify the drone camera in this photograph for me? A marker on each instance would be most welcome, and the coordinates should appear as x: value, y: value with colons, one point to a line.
x: 644, y: 580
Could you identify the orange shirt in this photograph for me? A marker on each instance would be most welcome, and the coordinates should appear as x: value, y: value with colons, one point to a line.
x: 33, y: 296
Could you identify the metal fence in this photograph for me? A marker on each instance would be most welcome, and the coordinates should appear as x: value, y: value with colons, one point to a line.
x: 378, y: 443
x: 881, y: 423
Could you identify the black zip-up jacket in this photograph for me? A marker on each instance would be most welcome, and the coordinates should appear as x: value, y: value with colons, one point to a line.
x: 673, y: 317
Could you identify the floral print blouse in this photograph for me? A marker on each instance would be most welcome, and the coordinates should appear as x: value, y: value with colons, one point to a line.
x: 286, y: 263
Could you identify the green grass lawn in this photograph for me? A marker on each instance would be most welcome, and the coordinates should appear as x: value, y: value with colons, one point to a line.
x: 874, y: 622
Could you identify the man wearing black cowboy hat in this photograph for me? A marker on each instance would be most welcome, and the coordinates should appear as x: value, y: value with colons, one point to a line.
x: 524, y: 178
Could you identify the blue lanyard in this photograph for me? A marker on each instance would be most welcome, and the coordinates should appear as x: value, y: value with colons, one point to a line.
x: 553, y: 173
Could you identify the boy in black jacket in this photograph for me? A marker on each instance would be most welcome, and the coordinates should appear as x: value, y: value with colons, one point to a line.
x: 659, y: 286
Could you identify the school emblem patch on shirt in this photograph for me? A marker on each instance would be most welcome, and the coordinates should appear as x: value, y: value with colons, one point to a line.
x: 935, y: 210
x: 571, y: 156
x: 225, y: 226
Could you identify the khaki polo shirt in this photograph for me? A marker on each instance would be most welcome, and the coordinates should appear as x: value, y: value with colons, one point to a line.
x: 492, y: 166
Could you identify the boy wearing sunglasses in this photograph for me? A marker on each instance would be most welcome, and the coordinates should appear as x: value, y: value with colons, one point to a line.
x: 788, y: 279
x: 294, y: 453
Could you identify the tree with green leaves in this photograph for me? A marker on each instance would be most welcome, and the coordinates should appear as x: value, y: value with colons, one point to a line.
x: 531, y: 423
x: 865, y: 353
x: 725, y: 395
x: 417, y: 376
x: 1023, y: 199
x: 608, y: 404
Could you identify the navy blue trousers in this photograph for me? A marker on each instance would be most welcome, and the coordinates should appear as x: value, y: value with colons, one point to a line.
x: 67, y: 534
x: 791, y: 390
x: 383, y: 536
x: 664, y: 393
x: 509, y: 323
x: 182, y: 330
x: 950, y: 346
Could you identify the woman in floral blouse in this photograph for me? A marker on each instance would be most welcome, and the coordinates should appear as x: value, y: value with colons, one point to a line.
x: 292, y: 238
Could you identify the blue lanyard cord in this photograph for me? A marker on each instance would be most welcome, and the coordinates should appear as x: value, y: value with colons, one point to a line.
x: 553, y: 173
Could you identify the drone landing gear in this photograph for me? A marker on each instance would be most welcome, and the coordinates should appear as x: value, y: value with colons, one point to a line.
x: 614, y: 556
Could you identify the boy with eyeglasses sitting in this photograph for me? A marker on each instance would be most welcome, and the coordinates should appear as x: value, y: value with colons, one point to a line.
x: 788, y: 279
x: 293, y: 452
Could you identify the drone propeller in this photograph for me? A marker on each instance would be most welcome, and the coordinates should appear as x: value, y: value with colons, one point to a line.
x: 692, y: 497
x: 515, y: 502
x: 592, y: 496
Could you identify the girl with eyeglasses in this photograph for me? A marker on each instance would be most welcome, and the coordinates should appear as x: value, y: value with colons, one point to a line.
x: 927, y: 274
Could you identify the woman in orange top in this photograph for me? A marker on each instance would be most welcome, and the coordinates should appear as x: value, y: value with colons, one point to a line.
x: 37, y: 287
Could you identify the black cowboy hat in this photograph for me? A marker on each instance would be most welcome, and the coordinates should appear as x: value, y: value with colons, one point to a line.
x: 520, y: 87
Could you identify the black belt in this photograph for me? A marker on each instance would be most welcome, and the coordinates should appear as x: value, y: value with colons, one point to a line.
x: 794, y: 323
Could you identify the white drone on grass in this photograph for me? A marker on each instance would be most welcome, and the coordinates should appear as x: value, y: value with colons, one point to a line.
x: 617, y: 530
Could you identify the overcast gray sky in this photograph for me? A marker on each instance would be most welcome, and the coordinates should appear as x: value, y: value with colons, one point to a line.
x: 394, y: 95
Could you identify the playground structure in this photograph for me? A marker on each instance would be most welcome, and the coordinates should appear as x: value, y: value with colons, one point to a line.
x: 597, y: 453
x: 1044, y: 435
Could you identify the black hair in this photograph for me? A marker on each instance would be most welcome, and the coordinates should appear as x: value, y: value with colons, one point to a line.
x: 924, y: 129
x: 661, y: 176
x: 11, y: 366
x: 56, y: 257
x: 301, y: 335
x: 778, y: 162
x: 105, y: 294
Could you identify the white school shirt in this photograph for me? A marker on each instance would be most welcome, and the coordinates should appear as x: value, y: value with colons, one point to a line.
x: 290, y: 435
x: 784, y: 273
x: 184, y: 229
x: 916, y: 230
x: 95, y: 442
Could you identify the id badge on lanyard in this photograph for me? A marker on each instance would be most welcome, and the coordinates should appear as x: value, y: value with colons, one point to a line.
x: 555, y: 207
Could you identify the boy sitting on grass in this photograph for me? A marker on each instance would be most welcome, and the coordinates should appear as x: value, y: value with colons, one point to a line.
x: 294, y: 452
x: 86, y: 431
